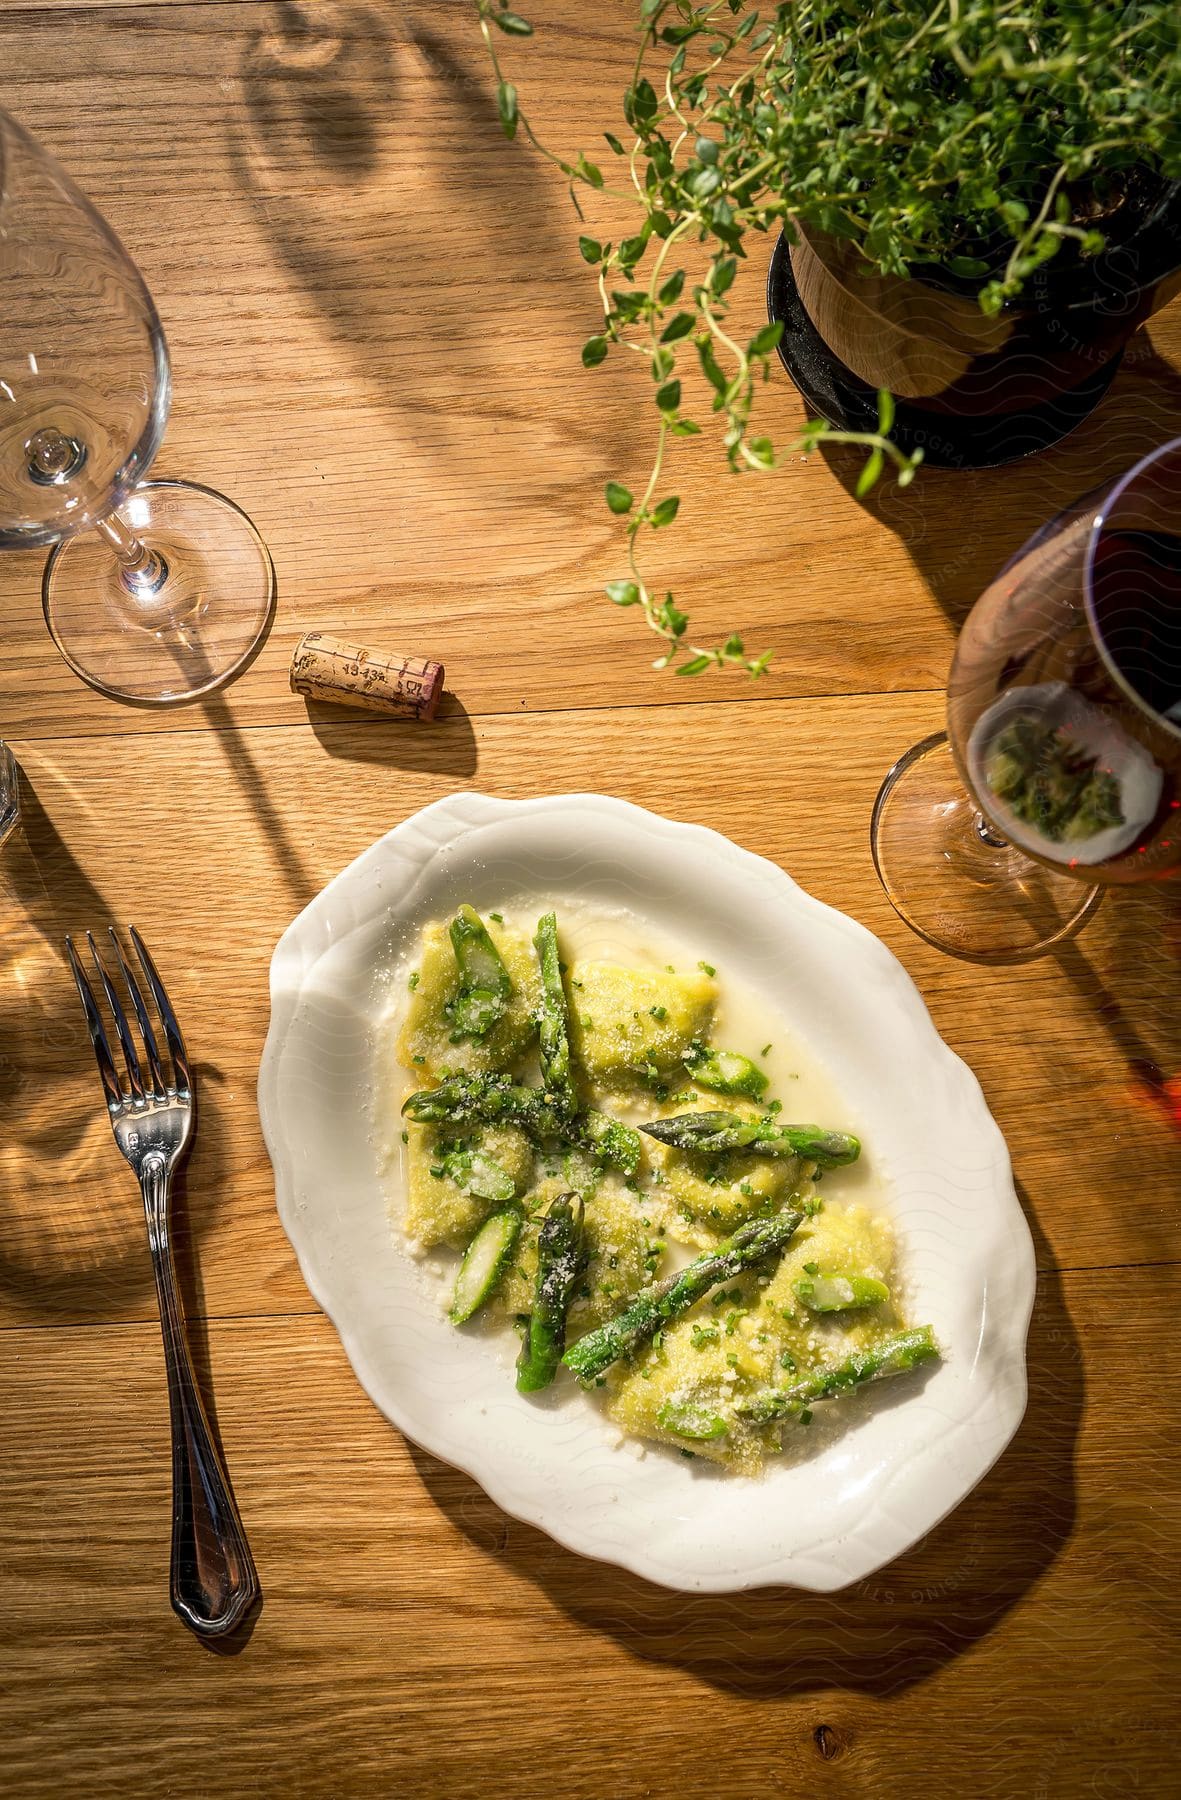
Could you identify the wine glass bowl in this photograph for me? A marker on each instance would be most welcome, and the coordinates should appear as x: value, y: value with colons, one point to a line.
x: 155, y: 592
x: 84, y: 383
x: 1062, y: 761
x: 1059, y: 694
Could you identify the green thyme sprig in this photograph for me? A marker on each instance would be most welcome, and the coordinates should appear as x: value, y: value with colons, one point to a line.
x: 984, y: 135
x: 653, y: 318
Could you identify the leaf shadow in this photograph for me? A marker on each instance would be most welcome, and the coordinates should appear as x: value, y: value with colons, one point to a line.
x: 73, y: 1242
x: 960, y: 526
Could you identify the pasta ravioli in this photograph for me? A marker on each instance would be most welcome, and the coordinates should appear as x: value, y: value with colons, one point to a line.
x: 629, y: 1194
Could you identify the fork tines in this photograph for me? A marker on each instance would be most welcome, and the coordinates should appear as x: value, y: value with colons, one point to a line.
x: 159, y: 1085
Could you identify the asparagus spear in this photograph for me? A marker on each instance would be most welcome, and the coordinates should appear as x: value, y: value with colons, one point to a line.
x: 559, y: 1263
x: 826, y: 1291
x: 667, y: 1299
x: 484, y: 986
x: 484, y: 1262
x: 495, y: 1099
x: 713, y: 1133
x: 687, y: 1420
x: 553, y: 1019
x: 726, y: 1072
x: 893, y: 1356
x: 488, y: 1100
x: 479, y: 1175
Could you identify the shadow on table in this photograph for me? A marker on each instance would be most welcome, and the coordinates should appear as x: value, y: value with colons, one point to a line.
x: 72, y: 1235
x: 330, y: 94
x: 1126, y: 966
x: 300, y: 879
x: 886, y: 1633
x: 447, y: 746
x: 378, y: 170
x: 960, y: 526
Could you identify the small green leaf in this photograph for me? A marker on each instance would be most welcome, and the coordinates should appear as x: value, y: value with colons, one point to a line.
x: 767, y: 338
x: 869, y: 474
x: 614, y: 143
x: 506, y: 101
x: 967, y: 266
x: 671, y: 290
x: 685, y: 428
x: 668, y: 397
x: 643, y: 100
x: 619, y: 498
x: 763, y: 452
x: 511, y: 22
x: 623, y: 593
x: 705, y: 150
x: 885, y: 411
x: 672, y: 618
x: 593, y: 352
x: 590, y: 172
x: 714, y: 374
x: 678, y: 327
x: 592, y: 250
x: 722, y: 274
x: 696, y: 665
x: 664, y: 512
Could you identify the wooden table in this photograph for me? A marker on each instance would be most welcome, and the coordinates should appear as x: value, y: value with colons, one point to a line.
x: 375, y: 308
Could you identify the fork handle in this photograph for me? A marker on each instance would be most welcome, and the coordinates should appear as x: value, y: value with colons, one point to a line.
x: 213, y: 1579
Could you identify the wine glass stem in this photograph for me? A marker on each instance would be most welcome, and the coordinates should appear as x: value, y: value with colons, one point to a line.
x: 142, y: 570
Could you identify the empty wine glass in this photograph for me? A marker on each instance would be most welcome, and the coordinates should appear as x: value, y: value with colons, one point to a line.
x: 157, y: 591
x: 1060, y: 771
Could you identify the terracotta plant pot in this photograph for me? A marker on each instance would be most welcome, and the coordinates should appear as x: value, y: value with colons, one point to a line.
x: 970, y: 390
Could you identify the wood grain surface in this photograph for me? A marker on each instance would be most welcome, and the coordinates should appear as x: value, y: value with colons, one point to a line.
x: 374, y: 307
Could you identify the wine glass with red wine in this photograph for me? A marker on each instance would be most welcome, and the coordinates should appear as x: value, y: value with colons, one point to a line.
x: 1060, y: 770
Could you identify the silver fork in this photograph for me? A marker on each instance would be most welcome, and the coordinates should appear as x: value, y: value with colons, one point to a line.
x: 213, y: 1579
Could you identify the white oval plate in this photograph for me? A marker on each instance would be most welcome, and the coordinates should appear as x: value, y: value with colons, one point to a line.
x: 850, y: 1005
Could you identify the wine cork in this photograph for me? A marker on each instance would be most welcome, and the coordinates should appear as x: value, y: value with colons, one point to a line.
x: 403, y: 687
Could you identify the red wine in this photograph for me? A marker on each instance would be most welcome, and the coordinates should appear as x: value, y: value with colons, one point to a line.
x: 1136, y: 596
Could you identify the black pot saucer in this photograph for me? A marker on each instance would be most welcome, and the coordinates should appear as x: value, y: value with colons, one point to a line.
x: 835, y: 393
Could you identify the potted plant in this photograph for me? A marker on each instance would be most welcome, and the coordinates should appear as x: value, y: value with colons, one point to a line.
x: 978, y: 202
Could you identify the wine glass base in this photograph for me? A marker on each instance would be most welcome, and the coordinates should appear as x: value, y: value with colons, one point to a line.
x: 954, y: 882
x: 190, y: 634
